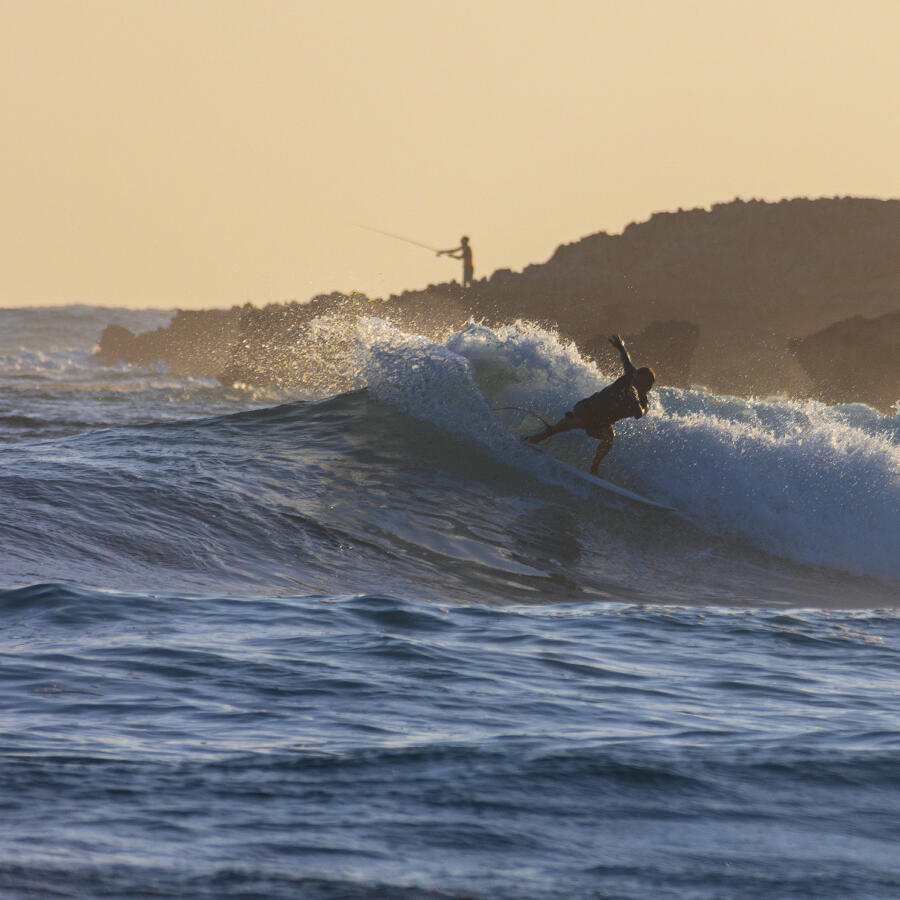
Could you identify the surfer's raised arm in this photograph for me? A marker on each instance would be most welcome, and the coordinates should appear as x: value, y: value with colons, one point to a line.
x: 619, y: 344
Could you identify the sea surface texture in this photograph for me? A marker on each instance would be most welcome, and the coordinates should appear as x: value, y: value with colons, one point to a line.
x: 369, y: 644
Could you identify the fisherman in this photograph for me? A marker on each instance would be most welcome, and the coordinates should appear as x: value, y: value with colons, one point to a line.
x: 463, y: 252
x: 625, y: 398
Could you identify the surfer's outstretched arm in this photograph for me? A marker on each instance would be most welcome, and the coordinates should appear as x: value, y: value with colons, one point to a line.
x: 619, y: 344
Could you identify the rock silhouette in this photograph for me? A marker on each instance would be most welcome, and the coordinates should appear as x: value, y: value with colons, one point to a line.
x: 857, y: 359
x: 735, y: 283
x: 195, y: 342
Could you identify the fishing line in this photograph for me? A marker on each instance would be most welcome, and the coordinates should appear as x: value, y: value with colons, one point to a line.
x: 397, y: 237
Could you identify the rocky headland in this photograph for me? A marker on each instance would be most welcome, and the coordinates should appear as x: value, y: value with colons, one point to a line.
x: 742, y: 298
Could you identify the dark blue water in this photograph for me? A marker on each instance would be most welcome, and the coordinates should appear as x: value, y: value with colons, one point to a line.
x: 363, y: 645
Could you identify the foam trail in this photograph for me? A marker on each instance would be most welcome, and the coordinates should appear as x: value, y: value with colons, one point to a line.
x: 825, y: 494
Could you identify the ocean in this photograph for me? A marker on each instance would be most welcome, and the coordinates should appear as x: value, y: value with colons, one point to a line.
x: 366, y: 643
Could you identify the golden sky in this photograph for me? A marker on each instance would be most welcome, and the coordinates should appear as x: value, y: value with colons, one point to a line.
x: 208, y: 152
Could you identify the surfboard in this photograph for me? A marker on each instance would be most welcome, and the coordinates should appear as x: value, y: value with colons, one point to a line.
x: 601, y: 483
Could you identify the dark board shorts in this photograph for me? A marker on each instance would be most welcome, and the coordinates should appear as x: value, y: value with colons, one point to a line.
x: 595, y: 428
x: 599, y: 430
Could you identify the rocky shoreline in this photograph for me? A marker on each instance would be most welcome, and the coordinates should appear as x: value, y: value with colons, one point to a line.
x: 747, y: 298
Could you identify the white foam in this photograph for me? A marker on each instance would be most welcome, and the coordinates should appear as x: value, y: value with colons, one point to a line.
x: 817, y: 484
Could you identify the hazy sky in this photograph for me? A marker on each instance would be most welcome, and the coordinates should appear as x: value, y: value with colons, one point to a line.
x: 200, y: 153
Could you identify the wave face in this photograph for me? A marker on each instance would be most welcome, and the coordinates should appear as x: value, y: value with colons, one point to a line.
x: 370, y: 644
x: 814, y: 484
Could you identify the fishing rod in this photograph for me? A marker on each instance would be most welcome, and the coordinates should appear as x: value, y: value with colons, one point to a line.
x: 396, y: 237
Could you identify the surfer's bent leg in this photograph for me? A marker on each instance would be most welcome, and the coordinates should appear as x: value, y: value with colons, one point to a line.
x: 568, y: 423
x: 605, y: 435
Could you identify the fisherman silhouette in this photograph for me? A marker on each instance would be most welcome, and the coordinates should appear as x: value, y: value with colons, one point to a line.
x: 463, y: 252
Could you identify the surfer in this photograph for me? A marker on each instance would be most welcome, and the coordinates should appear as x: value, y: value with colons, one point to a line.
x: 463, y: 252
x: 625, y: 398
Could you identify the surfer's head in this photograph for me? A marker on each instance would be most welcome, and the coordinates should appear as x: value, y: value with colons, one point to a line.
x: 464, y: 240
x: 644, y: 378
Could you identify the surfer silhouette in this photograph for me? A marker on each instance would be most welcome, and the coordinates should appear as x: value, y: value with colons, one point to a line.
x: 625, y: 398
x: 463, y: 252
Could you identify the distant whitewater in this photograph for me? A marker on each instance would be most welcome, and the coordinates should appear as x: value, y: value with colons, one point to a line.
x: 365, y: 641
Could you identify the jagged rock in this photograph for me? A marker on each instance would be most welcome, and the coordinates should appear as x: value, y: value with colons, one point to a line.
x: 195, y: 342
x: 857, y: 359
x: 117, y: 344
